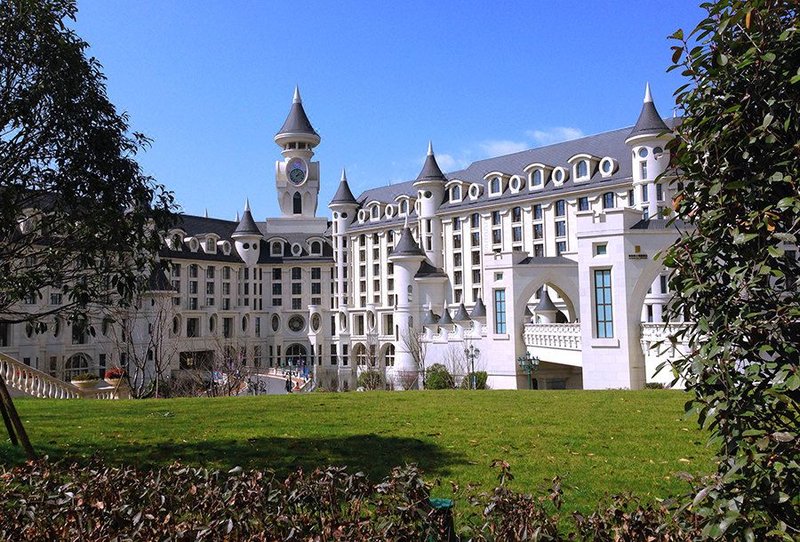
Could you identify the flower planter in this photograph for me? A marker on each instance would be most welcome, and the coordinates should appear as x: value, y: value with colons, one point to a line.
x: 84, y: 384
x: 113, y: 381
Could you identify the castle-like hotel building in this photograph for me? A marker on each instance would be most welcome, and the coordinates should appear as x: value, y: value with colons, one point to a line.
x: 549, y: 252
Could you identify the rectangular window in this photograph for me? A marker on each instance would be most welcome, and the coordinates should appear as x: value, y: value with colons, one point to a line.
x: 316, y: 273
x: 643, y: 167
x: 496, y: 218
x: 664, y: 287
x: 583, y: 204
x: 277, y: 289
x: 561, y: 247
x: 476, y: 276
x: 296, y: 273
x: 602, y: 302
x: 630, y: 198
x: 516, y: 234
x: 5, y: 334
x: 457, y: 241
x: 296, y: 303
x: 297, y: 288
x: 499, y: 311
x: 537, y: 211
x: 276, y: 274
x: 538, y: 250
x: 475, y: 221
x: 457, y: 277
x: 227, y: 327
x: 516, y: 214
x: 538, y: 231
x: 645, y: 196
x: 601, y: 249
x: 497, y: 237
x: 457, y: 259
x: 210, y: 272
x: 659, y: 192
x: 476, y: 258
x: 561, y: 228
x: 475, y: 239
x: 316, y: 288
x: 192, y: 327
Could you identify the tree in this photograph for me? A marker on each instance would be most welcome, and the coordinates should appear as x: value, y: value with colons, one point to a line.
x: 77, y: 214
x: 414, y: 341
x: 736, y: 271
x: 439, y: 378
x: 142, y: 333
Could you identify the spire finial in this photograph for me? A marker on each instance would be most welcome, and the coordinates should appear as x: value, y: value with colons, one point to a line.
x: 247, y: 204
x: 430, y: 148
x: 405, y: 225
x: 296, y: 99
x: 647, y: 96
x: 344, y: 176
x: 206, y: 215
x: 237, y: 217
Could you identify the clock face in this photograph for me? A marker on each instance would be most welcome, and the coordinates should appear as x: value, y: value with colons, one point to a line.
x: 297, y: 171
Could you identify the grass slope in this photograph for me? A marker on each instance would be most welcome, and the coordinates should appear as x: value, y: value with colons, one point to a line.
x: 599, y: 442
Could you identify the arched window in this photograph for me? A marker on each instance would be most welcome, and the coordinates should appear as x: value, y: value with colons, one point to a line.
x: 316, y: 247
x: 277, y: 248
x: 75, y: 365
x: 608, y: 200
x: 404, y: 207
x: 375, y: 212
x: 537, y: 177
x: 295, y: 354
x: 455, y: 193
x: 583, y: 169
x: 494, y: 186
x: 388, y: 356
x: 297, y: 203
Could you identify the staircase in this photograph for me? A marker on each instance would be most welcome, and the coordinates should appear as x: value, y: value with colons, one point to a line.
x: 30, y: 381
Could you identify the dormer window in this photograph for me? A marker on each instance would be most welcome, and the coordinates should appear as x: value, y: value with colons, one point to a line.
x: 582, y: 169
x: 211, y: 246
x: 375, y: 213
x: 607, y: 167
x: 455, y: 193
x: 515, y: 184
x: 316, y: 248
x: 495, y: 186
x: 404, y: 207
x: 474, y: 191
x: 276, y: 248
x: 536, y: 178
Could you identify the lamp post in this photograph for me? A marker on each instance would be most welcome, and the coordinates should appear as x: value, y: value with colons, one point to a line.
x: 528, y: 364
x: 472, y: 353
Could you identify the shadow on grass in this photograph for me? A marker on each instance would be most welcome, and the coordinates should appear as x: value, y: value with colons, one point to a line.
x: 372, y: 454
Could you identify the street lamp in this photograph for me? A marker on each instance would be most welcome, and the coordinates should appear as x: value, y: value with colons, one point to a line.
x: 472, y: 353
x: 528, y: 365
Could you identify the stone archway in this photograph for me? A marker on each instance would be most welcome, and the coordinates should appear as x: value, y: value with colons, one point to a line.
x: 296, y: 355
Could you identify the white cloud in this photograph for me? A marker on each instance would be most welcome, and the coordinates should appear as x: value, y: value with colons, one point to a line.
x: 448, y: 162
x: 554, y: 135
x: 500, y: 147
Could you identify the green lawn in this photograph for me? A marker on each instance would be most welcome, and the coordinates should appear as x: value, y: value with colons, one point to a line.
x: 599, y: 442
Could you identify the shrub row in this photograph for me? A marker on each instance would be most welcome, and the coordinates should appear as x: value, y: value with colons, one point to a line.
x: 58, y: 501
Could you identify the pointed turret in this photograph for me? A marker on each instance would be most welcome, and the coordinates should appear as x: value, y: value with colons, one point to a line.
x: 407, y: 247
x: 650, y: 122
x: 297, y: 127
x: 461, y: 315
x: 247, y: 237
x: 430, y: 169
x: 479, y: 310
x: 446, y: 321
x: 546, y: 310
x: 343, y: 195
x: 247, y: 226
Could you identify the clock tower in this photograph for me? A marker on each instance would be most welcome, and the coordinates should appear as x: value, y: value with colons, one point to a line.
x: 296, y: 176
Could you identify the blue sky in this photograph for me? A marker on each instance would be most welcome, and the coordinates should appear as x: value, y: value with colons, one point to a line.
x: 211, y: 83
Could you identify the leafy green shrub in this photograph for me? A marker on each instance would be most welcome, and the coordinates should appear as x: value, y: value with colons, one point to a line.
x: 480, y: 380
x: 654, y: 386
x: 437, y: 377
x: 370, y: 380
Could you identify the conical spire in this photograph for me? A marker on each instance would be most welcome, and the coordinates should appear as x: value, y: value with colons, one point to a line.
x: 445, y: 320
x: 649, y: 122
x: 297, y: 123
x: 545, y: 303
x: 461, y: 314
x: 479, y: 310
x: 407, y: 246
x: 343, y: 195
x: 247, y: 226
x: 431, y: 170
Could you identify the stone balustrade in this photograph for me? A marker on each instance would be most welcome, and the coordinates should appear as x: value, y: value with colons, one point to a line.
x: 562, y: 336
x: 33, y: 382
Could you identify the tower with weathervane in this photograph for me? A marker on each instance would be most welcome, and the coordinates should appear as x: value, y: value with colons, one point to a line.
x: 296, y: 176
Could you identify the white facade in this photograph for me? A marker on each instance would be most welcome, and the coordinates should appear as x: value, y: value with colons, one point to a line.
x: 549, y: 251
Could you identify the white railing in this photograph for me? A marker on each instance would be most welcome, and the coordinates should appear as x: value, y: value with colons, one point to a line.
x: 38, y: 384
x: 563, y: 336
x: 655, y: 338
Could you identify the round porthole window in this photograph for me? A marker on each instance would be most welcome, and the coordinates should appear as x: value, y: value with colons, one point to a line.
x: 344, y: 215
x: 361, y: 216
x: 427, y: 194
x: 335, y: 215
x: 559, y: 175
x: 657, y: 152
x: 315, y: 322
x: 389, y: 211
x: 245, y: 245
x: 515, y: 184
x: 296, y: 249
x: 643, y: 152
x: 297, y: 323
x: 474, y: 191
x: 276, y: 322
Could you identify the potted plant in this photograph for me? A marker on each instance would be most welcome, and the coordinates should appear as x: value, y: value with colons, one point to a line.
x: 114, y: 375
x: 84, y: 380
